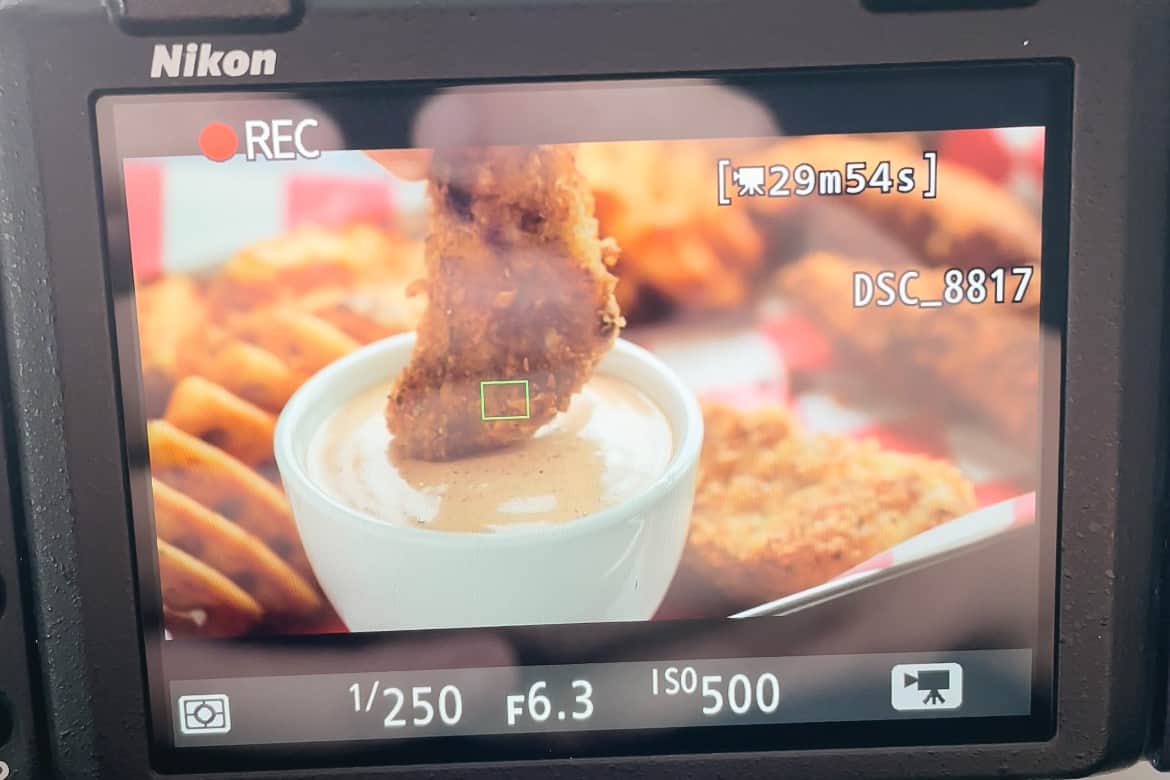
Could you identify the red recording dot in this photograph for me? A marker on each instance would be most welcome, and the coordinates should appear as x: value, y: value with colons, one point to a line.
x: 218, y: 142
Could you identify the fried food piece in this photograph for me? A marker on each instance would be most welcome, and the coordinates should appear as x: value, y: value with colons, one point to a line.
x: 982, y: 356
x: 972, y: 223
x: 370, y: 311
x: 311, y: 260
x: 219, y: 417
x: 216, y: 541
x: 190, y: 585
x: 171, y: 311
x: 518, y: 287
x: 778, y: 510
x: 304, y: 342
x: 278, y: 311
x: 375, y: 304
x: 656, y: 199
x: 226, y: 486
x: 248, y: 371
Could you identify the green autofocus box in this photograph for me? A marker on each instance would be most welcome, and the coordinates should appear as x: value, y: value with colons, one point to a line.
x: 500, y: 399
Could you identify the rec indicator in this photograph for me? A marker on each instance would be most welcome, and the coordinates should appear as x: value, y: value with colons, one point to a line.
x: 280, y: 139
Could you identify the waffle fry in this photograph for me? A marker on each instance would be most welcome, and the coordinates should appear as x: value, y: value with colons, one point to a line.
x: 170, y: 312
x: 189, y: 585
x: 246, y: 370
x: 222, y: 355
x: 369, y: 312
x: 213, y: 539
x: 225, y: 485
x: 281, y: 309
x: 312, y: 260
x: 219, y: 417
x: 304, y: 342
x: 778, y: 510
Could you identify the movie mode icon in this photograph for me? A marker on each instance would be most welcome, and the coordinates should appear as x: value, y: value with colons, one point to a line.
x: 205, y: 714
x: 926, y: 687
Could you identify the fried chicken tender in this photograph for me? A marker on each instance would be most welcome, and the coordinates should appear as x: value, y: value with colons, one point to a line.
x: 778, y: 510
x: 518, y: 287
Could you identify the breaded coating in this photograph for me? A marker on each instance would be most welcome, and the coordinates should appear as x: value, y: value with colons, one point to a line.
x: 982, y: 358
x: 518, y: 288
x: 778, y: 510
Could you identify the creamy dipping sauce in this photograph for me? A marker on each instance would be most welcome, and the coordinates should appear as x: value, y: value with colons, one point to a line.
x: 609, y: 446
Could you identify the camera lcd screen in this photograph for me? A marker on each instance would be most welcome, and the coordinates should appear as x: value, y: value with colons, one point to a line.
x: 595, y: 417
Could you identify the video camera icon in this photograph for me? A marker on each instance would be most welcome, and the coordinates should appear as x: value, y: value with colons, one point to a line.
x: 926, y: 687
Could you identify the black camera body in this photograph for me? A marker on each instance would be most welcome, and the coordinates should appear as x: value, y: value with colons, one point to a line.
x: 83, y: 89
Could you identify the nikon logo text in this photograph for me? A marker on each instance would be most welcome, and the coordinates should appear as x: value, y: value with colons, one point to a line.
x: 202, y: 60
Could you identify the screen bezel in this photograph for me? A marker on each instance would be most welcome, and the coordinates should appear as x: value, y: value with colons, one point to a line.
x: 817, y: 102
x: 64, y: 415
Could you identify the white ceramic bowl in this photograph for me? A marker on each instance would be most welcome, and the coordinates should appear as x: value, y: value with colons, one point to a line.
x: 615, y: 564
